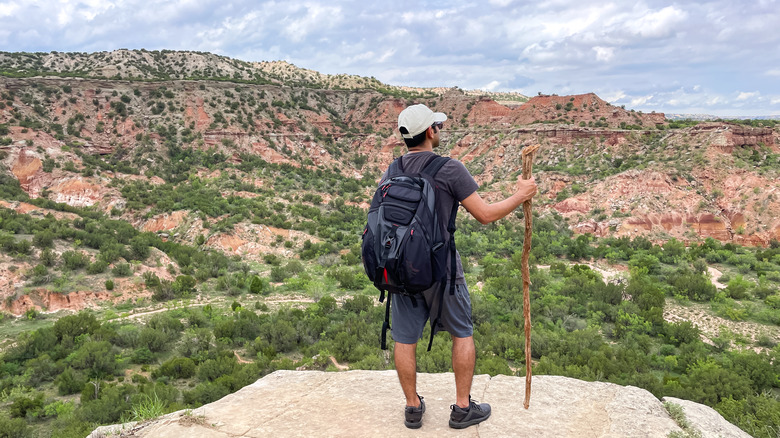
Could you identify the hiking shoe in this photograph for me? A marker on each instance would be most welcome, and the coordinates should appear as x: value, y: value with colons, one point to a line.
x: 414, y: 415
x: 462, y: 418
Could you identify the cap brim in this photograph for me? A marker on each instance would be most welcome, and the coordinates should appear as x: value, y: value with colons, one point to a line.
x: 439, y: 117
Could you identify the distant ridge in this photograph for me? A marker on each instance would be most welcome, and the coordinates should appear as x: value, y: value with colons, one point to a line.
x: 706, y: 117
x: 168, y: 65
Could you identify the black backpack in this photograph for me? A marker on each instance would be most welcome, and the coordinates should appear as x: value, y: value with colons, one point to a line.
x: 403, y: 245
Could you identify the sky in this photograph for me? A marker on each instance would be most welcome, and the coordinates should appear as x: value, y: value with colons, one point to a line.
x: 718, y: 57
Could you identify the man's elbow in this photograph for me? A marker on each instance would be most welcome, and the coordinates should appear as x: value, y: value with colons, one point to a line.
x: 482, y: 218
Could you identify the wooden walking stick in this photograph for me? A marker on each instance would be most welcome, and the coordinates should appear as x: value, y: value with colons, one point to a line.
x: 528, y: 162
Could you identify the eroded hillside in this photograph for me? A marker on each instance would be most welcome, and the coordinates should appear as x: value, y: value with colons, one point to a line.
x: 255, y: 167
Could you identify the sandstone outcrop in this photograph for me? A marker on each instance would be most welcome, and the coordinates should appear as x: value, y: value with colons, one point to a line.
x: 42, y: 299
x: 728, y: 136
x: 369, y: 403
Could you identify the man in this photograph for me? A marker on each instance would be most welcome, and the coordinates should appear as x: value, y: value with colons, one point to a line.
x: 420, y: 128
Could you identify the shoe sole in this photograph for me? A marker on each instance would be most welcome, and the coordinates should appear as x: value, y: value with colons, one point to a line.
x: 413, y: 425
x: 465, y: 424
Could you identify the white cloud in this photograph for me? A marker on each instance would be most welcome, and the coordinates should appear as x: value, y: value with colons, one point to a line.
x: 64, y: 17
x: 613, y: 96
x: 388, y: 54
x: 775, y: 101
x: 748, y: 95
x: 604, y: 54
x: 492, y: 86
x: 657, y: 24
x: 316, y: 19
x: 7, y: 9
x: 642, y: 100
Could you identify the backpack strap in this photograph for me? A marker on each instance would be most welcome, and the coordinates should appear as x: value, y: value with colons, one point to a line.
x: 395, y: 167
x: 430, y: 167
x: 434, y: 167
x: 386, y: 324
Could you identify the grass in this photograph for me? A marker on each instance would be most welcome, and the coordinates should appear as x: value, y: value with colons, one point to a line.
x: 11, y: 327
x: 678, y: 415
x: 148, y: 408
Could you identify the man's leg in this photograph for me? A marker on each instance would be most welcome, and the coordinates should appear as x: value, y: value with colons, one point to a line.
x: 405, y: 356
x: 463, y: 360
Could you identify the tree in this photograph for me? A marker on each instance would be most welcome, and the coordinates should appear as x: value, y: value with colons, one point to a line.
x: 212, y: 369
x: 177, y: 368
x: 709, y: 383
x: 674, y: 250
x: 70, y: 382
x: 96, y: 358
x: 260, y: 286
x: 74, y: 325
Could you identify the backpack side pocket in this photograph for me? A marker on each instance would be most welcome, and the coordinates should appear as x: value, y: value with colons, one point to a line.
x: 416, y: 271
x: 370, y: 263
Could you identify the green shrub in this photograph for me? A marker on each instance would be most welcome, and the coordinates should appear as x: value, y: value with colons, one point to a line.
x: 122, y: 270
x: 74, y: 260
x: 14, y: 427
x: 176, y: 368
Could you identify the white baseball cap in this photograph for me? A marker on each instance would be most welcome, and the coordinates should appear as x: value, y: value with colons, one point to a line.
x: 416, y: 119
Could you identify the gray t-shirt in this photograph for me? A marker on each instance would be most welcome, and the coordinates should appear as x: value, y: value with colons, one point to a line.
x: 454, y: 183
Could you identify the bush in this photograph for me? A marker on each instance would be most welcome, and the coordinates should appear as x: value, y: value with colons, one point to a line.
x: 97, y: 267
x: 176, y: 368
x: 75, y: 260
x: 44, y: 239
x: 279, y: 274
x: 13, y: 428
x: 260, y: 286
x: 349, y: 278
x: 738, y: 288
x: 122, y: 270
x: 70, y: 382
x: 23, y: 406
x: 358, y: 304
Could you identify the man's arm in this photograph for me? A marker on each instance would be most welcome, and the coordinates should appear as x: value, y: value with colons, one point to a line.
x: 486, y: 213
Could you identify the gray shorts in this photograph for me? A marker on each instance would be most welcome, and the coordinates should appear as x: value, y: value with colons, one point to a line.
x: 409, y: 321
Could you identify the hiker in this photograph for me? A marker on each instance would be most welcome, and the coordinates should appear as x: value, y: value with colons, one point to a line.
x: 420, y: 128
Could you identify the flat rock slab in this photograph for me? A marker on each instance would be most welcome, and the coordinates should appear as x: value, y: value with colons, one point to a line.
x: 370, y: 403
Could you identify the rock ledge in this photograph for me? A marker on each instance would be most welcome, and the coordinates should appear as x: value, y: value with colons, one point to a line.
x: 369, y: 403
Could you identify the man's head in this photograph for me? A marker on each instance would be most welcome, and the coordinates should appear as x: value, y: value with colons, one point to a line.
x: 415, y: 122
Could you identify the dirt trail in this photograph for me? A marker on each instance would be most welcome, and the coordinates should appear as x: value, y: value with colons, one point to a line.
x: 275, y: 302
x: 239, y: 358
x: 710, y: 325
x: 338, y: 365
x: 714, y: 276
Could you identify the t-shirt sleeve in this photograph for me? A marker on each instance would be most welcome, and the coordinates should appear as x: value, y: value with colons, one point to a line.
x: 459, y: 180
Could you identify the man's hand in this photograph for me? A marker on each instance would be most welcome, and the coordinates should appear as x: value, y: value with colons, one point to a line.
x: 487, y: 213
x: 526, y: 188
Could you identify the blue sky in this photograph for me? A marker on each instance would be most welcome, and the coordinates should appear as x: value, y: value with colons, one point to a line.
x: 719, y: 57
